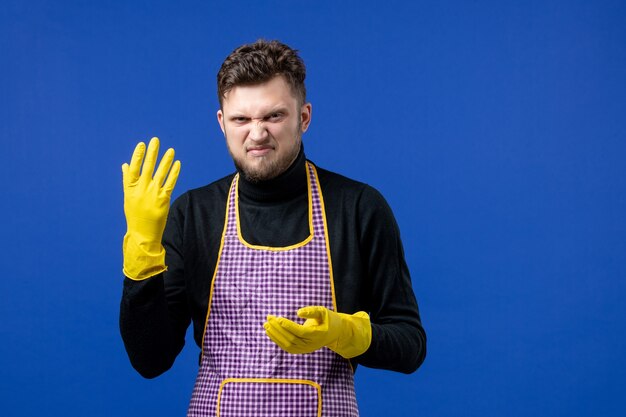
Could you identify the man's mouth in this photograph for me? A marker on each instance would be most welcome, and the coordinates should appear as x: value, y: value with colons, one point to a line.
x: 259, y: 150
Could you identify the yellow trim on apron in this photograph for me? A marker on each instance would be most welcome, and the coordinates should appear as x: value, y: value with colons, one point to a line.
x: 272, y: 248
x: 219, y: 255
x: 272, y: 381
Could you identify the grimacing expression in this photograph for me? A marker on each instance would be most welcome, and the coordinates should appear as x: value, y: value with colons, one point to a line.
x: 263, y: 125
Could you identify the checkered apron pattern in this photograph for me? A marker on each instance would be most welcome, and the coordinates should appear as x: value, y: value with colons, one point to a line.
x: 242, y: 372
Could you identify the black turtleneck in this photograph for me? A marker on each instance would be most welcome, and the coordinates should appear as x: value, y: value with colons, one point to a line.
x: 270, y: 203
x: 370, y: 273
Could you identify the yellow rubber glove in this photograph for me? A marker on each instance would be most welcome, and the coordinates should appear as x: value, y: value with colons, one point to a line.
x: 348, y: 335
x: 146, y: 204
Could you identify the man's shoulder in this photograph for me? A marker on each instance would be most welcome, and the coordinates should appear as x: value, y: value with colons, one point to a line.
x: 336, y: 185
x: 336, y: 180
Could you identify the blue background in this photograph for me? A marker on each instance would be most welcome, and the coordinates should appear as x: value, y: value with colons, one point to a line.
x: 496, y: 130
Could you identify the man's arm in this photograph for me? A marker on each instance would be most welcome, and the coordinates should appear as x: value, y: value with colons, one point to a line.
x: 154, y: 315
x: 153, y: 319
x: 398, y: 338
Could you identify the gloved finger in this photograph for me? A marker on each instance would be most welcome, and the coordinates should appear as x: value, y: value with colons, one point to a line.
x: 276, y: 336
x: 150, y: 161
x: 293, y: 332
x: 287, y: 342
x: 124, y: 173
x: 312, y: 312
x: 164, y: 167
x: 289, y: 327
x: 135, y: 163
x: 171, y: 178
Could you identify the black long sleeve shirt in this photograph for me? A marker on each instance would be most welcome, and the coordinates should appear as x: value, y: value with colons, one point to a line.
x: 370, y: 272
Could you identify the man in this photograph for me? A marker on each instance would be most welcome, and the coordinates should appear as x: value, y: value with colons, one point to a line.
x: 292, y: 275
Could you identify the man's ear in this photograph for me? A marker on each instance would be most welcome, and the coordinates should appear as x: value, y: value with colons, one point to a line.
x: 305, y: 116
x: 220, y: 120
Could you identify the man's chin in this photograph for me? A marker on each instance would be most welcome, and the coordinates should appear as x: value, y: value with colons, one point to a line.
x: 263, y: 168
x: 262, y: 172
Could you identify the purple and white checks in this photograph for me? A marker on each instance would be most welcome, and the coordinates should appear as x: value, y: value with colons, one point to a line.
x: 242, y: 372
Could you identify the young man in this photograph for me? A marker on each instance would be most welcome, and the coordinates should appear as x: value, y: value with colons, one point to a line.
x: 292, y: 275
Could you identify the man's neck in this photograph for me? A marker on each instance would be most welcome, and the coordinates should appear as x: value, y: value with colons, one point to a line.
x: 289, y: 184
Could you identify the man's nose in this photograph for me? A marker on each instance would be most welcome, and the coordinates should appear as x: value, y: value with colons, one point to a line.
x: 258, y: 131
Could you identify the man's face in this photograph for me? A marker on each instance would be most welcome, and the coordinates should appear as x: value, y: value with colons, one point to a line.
x: 263, y: 125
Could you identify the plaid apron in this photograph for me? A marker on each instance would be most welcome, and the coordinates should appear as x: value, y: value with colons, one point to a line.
x: 242, y: 372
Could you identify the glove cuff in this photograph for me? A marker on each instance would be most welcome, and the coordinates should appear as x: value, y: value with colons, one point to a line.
x: 142, y: 260
x: 356, y: 335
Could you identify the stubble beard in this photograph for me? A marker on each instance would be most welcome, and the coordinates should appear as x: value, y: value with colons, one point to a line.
x: 268, y: 167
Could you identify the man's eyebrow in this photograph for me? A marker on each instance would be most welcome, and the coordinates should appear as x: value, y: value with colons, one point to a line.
x: 278, y: 109
x: 237, y: 116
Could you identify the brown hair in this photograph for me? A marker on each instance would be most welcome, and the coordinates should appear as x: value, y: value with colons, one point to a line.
x: 258, y: 62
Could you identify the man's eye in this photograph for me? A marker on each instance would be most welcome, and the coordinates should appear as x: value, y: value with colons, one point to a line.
x: 240, y: 119
x: 275, y: 116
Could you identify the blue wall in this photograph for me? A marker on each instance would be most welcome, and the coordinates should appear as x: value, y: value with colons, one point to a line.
x: 496, y: 130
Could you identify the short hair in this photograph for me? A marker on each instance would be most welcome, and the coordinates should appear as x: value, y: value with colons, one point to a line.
x: 258, y: 62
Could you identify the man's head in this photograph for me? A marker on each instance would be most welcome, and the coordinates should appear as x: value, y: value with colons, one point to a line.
x: 258, y: 62
x: 263, y: 113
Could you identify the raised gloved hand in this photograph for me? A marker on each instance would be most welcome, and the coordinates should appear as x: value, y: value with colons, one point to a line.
x: 146, y: 204
x: 348, y: 335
